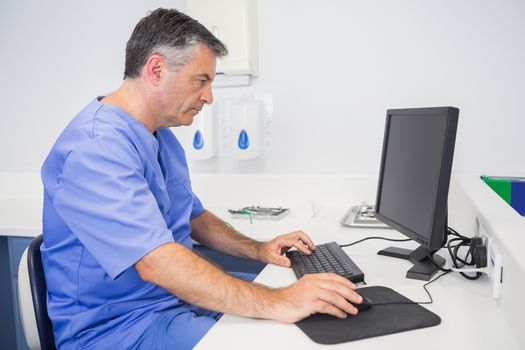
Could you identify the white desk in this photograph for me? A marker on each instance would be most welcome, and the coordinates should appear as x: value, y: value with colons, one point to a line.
x: 471, y: 318
x: 466, y: 308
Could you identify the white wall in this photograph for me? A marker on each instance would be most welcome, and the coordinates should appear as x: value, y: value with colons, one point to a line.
x: 56, y: 56
x: 333, y: 68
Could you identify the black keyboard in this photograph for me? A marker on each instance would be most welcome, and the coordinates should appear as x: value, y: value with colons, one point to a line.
x: 327, y: 257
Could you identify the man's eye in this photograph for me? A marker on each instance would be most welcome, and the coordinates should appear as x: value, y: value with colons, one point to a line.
x: 201, y: 82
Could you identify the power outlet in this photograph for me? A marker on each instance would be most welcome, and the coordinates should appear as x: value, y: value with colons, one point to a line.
x: 494, y: 261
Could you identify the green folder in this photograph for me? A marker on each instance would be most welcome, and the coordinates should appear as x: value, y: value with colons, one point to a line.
x: 511, y: 189
x: 501, y: 185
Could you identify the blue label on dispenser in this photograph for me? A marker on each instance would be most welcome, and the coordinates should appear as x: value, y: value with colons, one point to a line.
x: 243, y: 142
x: 198, y: 141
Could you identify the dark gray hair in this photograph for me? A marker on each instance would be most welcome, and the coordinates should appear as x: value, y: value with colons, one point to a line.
x: 171, y: 34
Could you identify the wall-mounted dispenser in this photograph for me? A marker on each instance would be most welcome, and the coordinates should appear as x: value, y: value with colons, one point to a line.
x: 247, y: 129
x: 204, y: 134
x: 234, y: 22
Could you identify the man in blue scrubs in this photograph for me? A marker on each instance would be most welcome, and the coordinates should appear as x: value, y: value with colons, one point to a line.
x: 120, y: 213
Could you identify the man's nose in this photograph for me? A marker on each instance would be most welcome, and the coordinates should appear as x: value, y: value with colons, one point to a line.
x: 207, y: 96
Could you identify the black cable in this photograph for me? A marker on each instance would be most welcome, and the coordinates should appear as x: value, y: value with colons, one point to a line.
x: 453, y: 251
x: 460, y: 240
x: 424, y: 286
x: 417, y: 302
x: 382, y: 238
x: 463, y: 242
x: 453, y: 232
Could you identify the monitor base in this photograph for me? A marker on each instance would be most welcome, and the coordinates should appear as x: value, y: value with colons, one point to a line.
x: 423, y: 268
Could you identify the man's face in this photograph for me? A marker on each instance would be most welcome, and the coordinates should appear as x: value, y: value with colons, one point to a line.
x: 184, y: 92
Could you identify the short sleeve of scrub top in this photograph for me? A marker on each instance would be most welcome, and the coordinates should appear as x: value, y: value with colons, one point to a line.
x: 104, y: 198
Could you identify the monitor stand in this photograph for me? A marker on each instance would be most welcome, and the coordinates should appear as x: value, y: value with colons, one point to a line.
x: 423, y: 268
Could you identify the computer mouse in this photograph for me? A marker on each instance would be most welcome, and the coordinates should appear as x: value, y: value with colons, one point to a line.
x: 365, y: 305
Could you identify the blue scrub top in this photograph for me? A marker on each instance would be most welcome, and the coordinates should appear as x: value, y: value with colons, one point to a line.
x: 113, y: 193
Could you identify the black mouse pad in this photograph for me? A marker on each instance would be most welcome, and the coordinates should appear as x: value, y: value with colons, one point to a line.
x: 379, y: 320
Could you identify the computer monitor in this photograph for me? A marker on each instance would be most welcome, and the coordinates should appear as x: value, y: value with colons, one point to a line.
x: 414, y: 179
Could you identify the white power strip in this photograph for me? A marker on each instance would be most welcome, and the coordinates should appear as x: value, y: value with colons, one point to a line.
x: 494, y: 261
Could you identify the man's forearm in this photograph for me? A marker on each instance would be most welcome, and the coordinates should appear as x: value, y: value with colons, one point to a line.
x: 196, y: 281
x: 212, y: 232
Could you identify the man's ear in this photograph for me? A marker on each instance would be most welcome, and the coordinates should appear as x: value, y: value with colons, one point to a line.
x: 153, y: 68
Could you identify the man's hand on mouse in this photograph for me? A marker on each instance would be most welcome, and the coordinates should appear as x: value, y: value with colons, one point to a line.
x: 273, y: 251
x: 326, y: 293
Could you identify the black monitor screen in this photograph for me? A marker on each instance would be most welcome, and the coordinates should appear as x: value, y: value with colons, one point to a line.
x: 415, y: 172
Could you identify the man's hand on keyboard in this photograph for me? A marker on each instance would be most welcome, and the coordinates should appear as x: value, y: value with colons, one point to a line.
x: 326, y: 293
x: 272, y: 251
